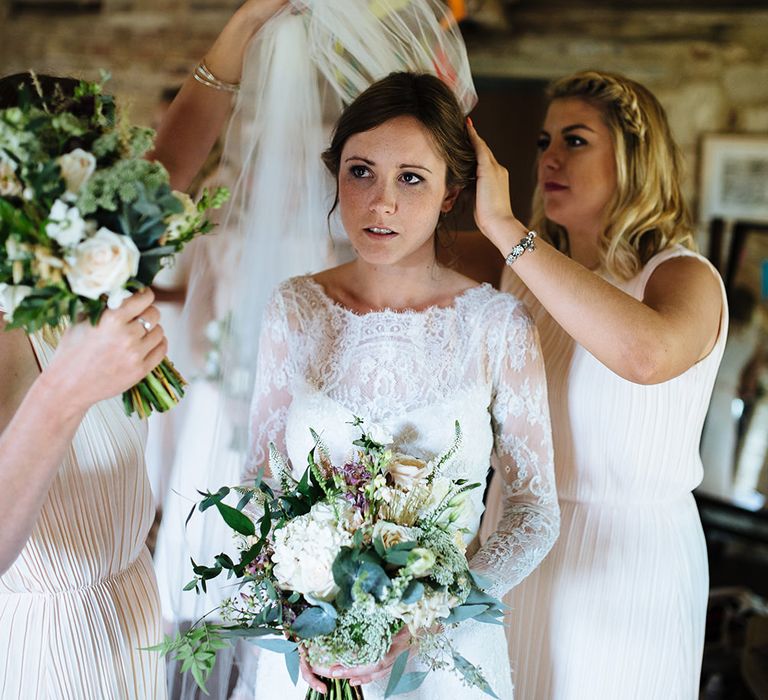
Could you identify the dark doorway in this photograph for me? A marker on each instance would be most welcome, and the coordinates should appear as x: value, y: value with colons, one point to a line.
x: 508, y: 116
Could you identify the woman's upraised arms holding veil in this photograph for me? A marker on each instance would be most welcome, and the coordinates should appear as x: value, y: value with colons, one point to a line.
x: 199, y: 112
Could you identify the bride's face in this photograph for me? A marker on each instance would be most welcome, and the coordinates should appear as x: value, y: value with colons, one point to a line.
x: 391, y: 192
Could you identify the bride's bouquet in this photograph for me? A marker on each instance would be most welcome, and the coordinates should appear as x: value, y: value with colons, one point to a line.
x: 333, y: 565
x: 85, y: 220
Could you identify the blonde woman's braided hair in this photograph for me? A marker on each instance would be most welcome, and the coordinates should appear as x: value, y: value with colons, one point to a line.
x: 648, y: 213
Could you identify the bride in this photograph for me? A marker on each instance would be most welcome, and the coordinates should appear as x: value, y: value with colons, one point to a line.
x: 401, y: 341
x: 392, y: 336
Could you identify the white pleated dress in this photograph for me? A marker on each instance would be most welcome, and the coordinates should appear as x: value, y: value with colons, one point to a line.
x: 617, y: 609
x: 81, y: 599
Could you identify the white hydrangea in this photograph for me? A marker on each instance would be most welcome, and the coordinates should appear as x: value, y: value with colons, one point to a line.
x: 304, y: 551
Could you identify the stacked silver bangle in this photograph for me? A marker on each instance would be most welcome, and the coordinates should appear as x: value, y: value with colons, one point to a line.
x: 205, y: 77
x: 526, y: 243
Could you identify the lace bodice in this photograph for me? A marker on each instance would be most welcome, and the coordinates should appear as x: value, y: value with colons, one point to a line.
x: 415, y: 373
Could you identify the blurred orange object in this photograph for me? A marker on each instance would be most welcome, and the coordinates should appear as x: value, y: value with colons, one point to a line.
x: 458, y: 8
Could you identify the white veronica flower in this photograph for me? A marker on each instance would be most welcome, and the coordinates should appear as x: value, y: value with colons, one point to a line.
x: 76, y: 169
x: 65, y: 225
x: 103, y: 264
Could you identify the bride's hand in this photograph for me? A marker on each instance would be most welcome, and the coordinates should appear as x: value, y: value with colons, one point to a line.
x: 358, y: 675
x: 493, y: 211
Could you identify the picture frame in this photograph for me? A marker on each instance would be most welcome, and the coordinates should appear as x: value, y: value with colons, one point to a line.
x: 734, y: 178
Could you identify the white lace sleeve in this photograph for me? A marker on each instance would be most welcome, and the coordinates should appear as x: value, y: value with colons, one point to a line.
x: 272, y: 388
x: 530, y: 519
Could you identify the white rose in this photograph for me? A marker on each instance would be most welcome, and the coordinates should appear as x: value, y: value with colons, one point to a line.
x: 65, y: 225
x: 178, y: 224
x: 102, y: 265
x: 378, y: 433
x: 11, y: 296
x: 9, y: 183
x: 392, y: 534
x: 407, y: 471
x: 76, y: 169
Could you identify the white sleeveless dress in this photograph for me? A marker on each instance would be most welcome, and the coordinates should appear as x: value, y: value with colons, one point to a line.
x: 415, y: 373
x: 81, y: 599
x: 617, y: 609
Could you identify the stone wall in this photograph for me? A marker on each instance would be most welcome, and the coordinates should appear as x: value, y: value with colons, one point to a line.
x: 709, y: 68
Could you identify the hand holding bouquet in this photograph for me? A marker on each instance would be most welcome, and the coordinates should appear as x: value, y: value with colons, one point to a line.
x: 85, y: 220
x: 343, y: 561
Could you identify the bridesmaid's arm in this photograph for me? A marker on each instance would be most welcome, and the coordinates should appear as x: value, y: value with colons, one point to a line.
x: 646, y: 342
x: 198, y: 113
x: 40, y: 412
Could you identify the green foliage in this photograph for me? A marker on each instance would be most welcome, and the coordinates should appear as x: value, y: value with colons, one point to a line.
x: 359, y: 571
x: 196, y: 650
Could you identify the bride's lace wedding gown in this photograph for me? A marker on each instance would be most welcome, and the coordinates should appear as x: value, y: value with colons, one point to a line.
x: 415, y: 373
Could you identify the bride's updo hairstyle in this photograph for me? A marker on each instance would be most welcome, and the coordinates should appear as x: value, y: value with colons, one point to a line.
x: 422, y: 96
x: 648, y: 213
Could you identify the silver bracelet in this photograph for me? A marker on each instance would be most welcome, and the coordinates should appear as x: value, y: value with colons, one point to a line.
x: 204, y: 76
x: 526, y: 243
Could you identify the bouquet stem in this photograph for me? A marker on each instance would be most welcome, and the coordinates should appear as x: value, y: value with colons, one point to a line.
x: 159, y: 391
x: 338, y: 689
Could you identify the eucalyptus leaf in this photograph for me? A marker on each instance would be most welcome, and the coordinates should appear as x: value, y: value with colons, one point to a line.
x: 276, y: 644
x: 313, y: 622
x: 292, y: 664
x: 398, y: 668
x: 464, y: 612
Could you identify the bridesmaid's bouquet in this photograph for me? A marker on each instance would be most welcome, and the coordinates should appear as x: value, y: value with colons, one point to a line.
x: 85, y: 219
x: 333, y: 565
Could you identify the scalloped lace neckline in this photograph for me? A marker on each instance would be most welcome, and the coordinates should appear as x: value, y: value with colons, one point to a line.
x: 332, y: 303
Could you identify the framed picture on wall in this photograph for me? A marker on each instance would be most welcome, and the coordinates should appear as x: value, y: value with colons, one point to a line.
x: 734, y: 178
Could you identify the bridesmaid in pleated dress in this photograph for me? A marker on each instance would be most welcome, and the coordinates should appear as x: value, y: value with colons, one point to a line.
x: 633, y: 325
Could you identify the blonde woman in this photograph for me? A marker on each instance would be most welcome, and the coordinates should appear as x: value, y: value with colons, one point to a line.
x: 633, y: 324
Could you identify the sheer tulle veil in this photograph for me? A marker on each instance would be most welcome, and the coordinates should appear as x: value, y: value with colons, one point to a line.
x: 305, y: 64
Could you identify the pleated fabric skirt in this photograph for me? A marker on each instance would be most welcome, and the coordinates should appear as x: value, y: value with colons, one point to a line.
x: 617, y: 609
x: 86, y: 643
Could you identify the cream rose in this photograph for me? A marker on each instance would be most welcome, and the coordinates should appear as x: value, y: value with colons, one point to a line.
x: 65, y: 225
x: 103, y: 264
x: 392, y: 534
x: 76, y: 169
x: 407, y: 471
x: 9, y: 183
